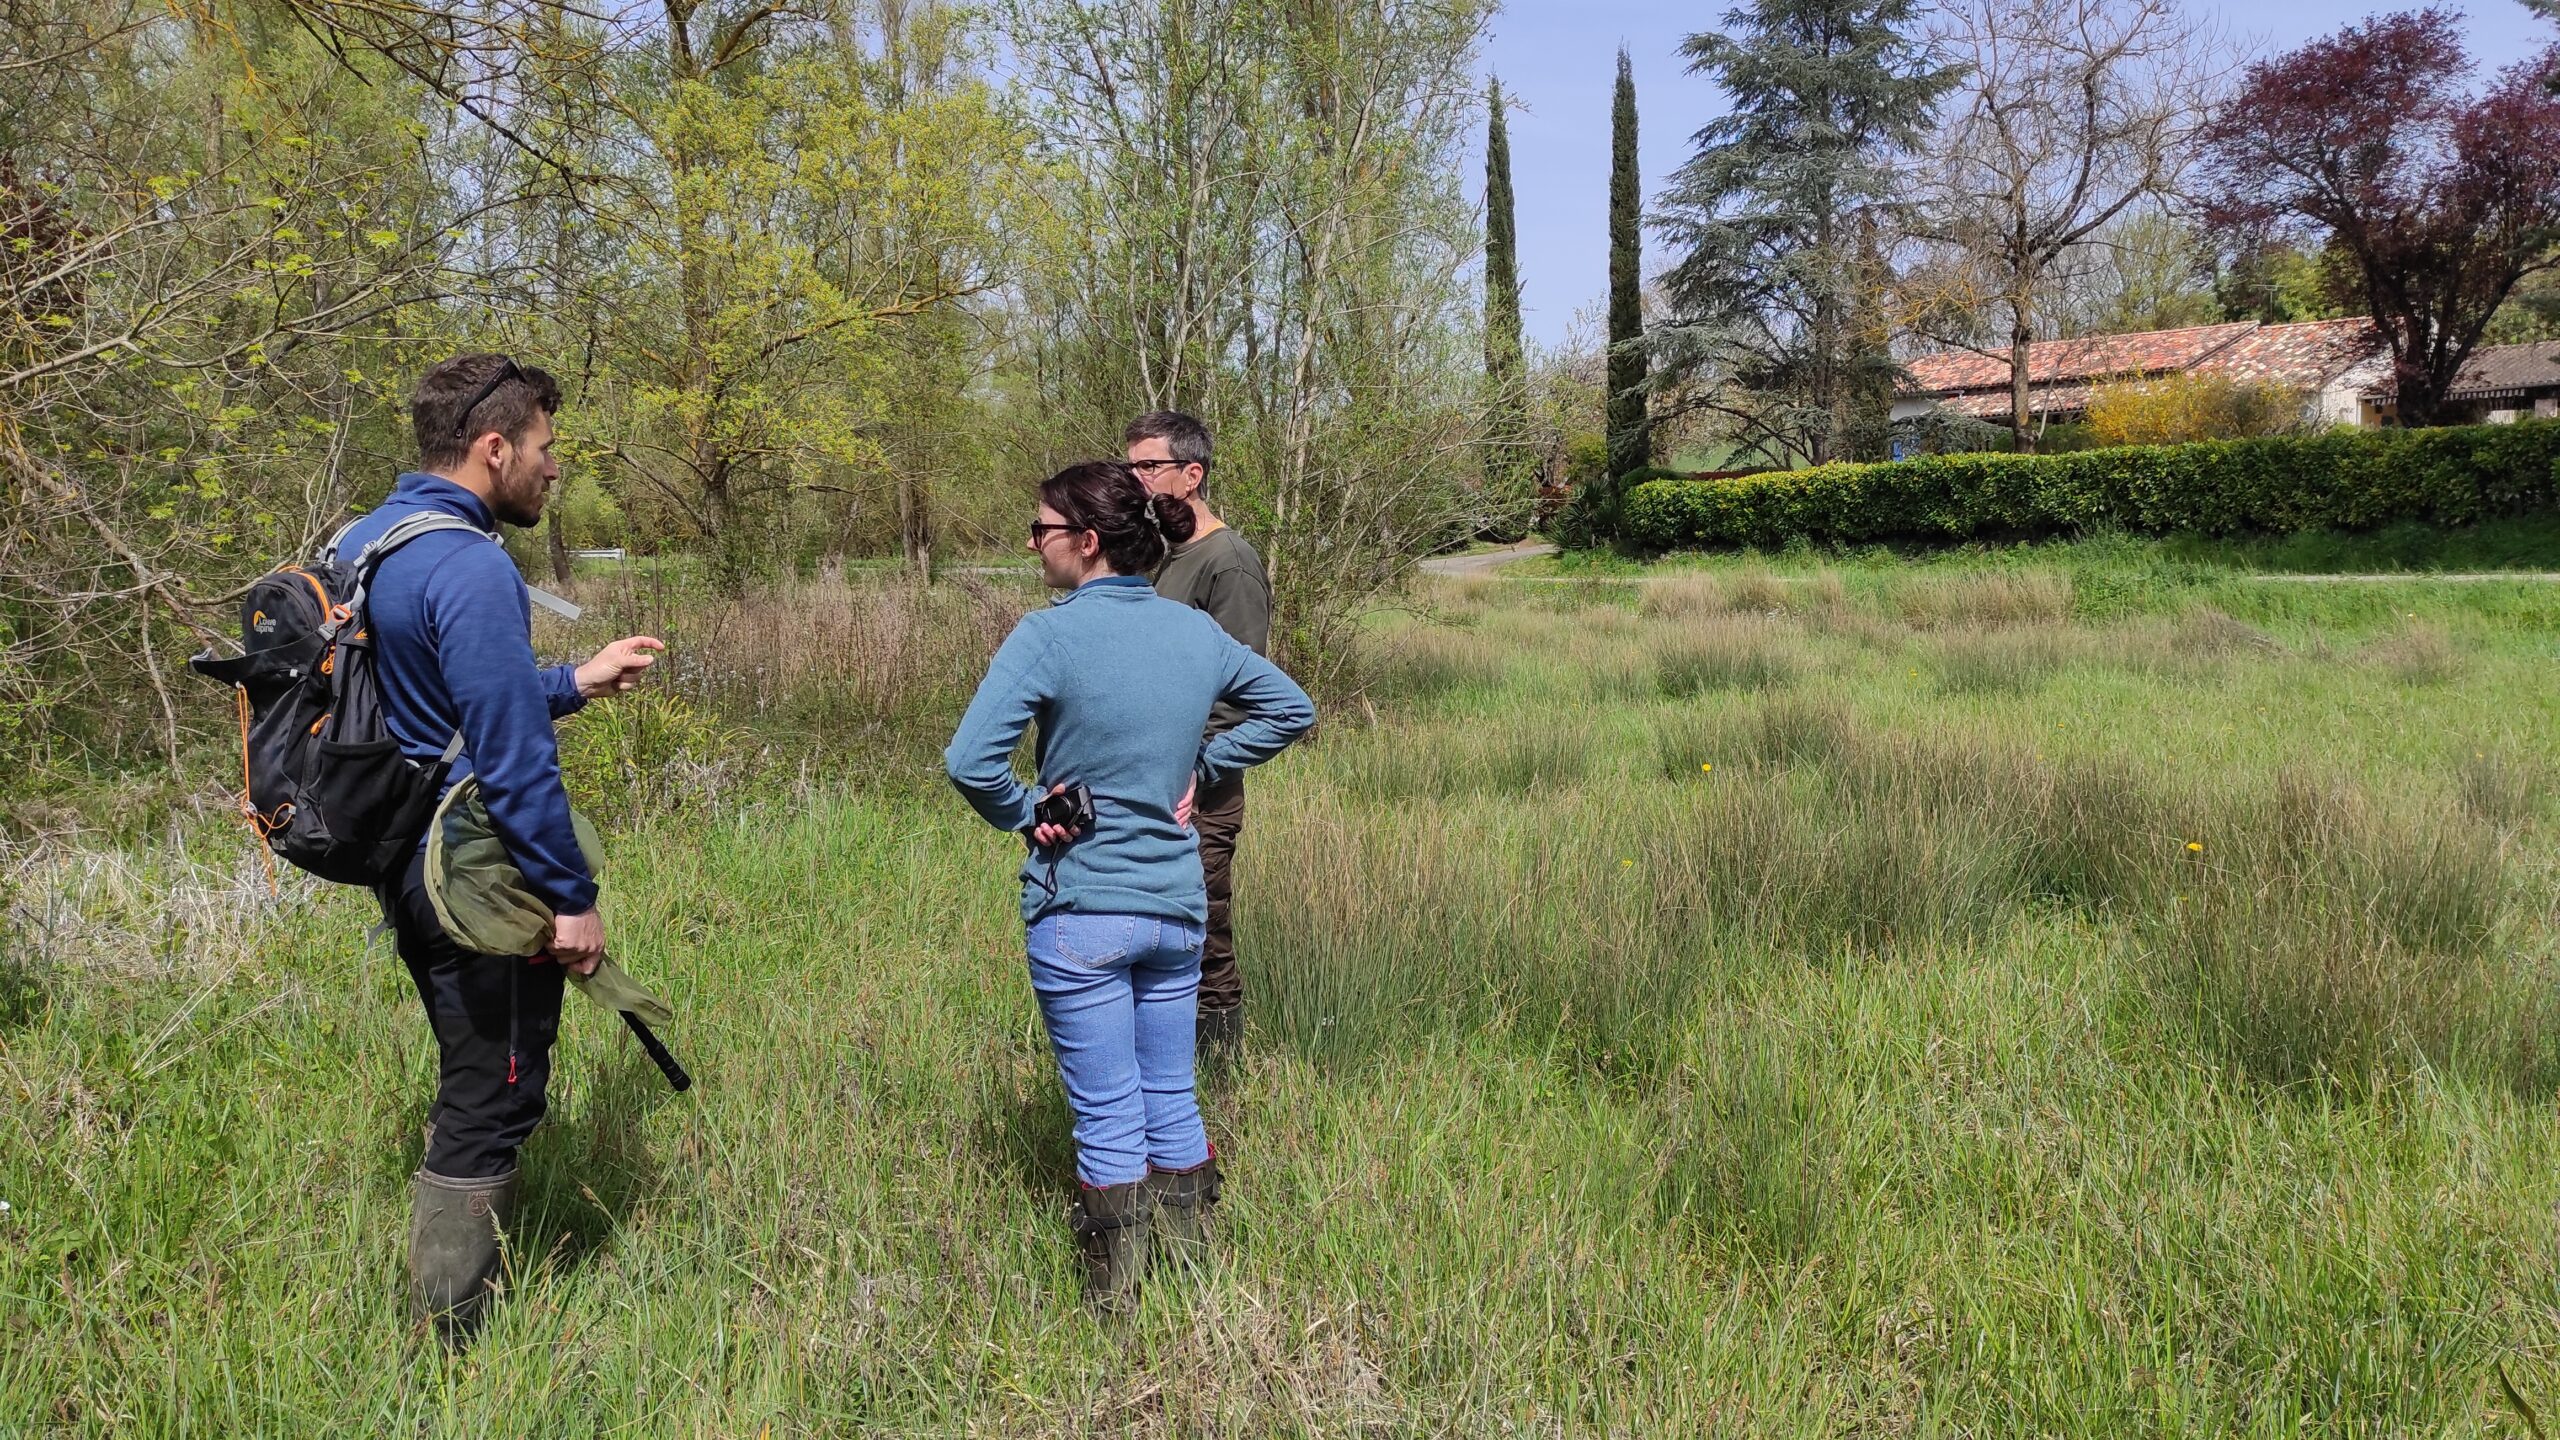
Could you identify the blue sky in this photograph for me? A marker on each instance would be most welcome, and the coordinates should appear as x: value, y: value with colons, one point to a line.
x: 1557, y: 57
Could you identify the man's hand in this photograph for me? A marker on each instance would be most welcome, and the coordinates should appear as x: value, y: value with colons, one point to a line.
x: 1182, y: 810
x: 577, y: 941
x: 619, y: 666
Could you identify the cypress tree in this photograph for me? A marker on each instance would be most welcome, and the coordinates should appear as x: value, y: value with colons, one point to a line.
x: 1630, y: 438
x: 1507, y: 460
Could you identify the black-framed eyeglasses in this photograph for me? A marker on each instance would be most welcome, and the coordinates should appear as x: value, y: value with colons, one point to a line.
x: 1143, y: 466
x: 1040, y: 531
x: 506, y: 371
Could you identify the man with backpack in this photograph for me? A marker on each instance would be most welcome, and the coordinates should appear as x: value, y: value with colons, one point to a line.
x: 450, y: 625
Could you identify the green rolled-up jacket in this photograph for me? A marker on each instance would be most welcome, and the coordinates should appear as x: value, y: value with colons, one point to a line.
x: 484, y: 904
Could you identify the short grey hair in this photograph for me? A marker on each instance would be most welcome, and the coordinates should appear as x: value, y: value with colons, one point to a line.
x: 1184, y: 437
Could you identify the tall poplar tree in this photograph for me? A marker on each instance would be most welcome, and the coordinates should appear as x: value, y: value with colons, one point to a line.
x: 1630, y: 438
x: 1779, y: 220
x: 1508, y: 463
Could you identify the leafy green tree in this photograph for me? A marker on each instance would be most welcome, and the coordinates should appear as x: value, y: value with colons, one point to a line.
x: 805, y: 217
x: 2155, y: 272
x: 1780, y: 219
x: 212, y: 229
x: 2279, y: 282
x: 1260, y: 216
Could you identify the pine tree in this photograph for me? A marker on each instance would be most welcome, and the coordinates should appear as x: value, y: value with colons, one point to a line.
x: 1508, y: 463
x: 1778, y: 220
x: 1630, y: 438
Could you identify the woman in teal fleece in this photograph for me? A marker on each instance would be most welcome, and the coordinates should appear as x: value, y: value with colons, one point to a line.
x: 1120, y: 681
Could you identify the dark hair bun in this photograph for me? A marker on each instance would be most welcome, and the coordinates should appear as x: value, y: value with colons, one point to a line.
x: 1174, y: 517
x: 1107, y: 498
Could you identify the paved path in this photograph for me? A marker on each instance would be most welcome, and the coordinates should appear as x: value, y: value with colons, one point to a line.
x: 1485, y: 562
x: 2405, y: 575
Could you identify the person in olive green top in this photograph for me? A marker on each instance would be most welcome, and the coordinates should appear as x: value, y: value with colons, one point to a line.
x: 1218, y: 572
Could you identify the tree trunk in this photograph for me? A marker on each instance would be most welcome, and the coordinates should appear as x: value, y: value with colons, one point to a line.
x: 558, y: 535
x: 2021, y: 336
x: 915, y: 525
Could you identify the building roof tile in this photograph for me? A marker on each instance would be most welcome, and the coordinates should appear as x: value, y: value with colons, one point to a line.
x: 2302, y: 356
x: 2494, y: 371
x: 2093, y: 357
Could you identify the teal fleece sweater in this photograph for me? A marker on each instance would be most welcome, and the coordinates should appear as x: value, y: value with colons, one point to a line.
x: 1120, y: 681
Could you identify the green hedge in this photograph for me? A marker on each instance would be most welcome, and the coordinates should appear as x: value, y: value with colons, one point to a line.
x: 2341, y: 479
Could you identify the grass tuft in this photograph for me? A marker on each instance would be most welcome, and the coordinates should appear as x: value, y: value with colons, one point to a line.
x: 1727, y: 653
x: 1983, y: 599
x: 2421, y: 653
x: 2506, y: 790
x: 2003, y: 661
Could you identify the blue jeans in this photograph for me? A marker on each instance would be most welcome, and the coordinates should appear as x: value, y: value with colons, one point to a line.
x: 1120, y: 996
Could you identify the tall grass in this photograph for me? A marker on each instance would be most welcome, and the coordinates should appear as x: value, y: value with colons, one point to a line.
x: 2004, y: 660
x: 2422, y: 653
x: 838, y: 662
x: 1419, y: 663
x: 1983, y: 599
x: 2323, y: 931
x: 2154, y: 1045
x: 1725, y: 653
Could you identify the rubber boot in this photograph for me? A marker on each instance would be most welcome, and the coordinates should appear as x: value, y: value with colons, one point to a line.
x: 1111, y: 1228
x: 1179, y: 1202
x: 454, y: 1227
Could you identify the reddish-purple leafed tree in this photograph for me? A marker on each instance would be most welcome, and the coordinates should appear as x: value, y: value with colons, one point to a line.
x: 2441, y: 195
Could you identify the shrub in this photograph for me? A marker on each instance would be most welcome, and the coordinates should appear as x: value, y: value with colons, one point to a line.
x: 648, y: 752
x: 2343, y: 479
x: 2176, y: 409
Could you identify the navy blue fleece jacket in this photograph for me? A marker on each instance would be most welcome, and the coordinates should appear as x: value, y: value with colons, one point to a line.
x: 453, y: 634
x: 1120, y: 681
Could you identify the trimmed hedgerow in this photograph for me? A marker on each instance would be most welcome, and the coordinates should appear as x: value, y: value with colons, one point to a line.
x: 2340, y: 479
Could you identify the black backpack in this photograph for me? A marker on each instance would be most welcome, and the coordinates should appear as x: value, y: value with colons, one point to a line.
x: 325, y: 784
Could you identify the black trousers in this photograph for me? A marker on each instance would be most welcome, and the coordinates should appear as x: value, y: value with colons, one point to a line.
x: 495, y: 1018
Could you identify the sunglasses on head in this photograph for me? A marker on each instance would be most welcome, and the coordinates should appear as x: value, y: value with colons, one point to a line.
x: 506, y: 371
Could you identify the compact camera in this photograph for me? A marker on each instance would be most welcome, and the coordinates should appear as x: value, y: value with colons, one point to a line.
x: 1071, y: 809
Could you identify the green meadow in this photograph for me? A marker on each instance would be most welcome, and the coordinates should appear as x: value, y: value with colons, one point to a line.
x: 2091, y: 991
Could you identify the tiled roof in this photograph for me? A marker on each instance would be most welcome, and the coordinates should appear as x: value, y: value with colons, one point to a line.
x: 2042, y: 400
x: 2303, y: 356
x: 2094, y: 357
x: 2495, y: 370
